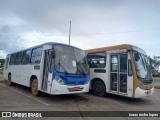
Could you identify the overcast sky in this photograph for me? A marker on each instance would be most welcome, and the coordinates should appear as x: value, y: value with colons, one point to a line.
x: 95, y: 23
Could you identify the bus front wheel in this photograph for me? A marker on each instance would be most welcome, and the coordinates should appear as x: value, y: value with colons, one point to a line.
x: 34, y: 87
x: 99, y: 88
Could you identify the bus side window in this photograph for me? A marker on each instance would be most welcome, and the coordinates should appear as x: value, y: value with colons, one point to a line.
x: 18, y: 58
x: 12, y: 59
x: 93, y: 64
x: 26, y: 57
x: 36, y: 55
x: 97, y: 60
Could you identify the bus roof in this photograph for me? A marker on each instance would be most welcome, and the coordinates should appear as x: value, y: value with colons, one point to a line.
x: 47, y: 43
x: 116, y: 47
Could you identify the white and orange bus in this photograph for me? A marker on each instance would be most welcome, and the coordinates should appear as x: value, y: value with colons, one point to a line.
x: 122, y: 69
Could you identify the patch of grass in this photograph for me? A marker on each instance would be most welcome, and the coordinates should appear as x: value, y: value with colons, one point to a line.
x: 156, y: 79
x: 1, y: 72
x: 157, y: 86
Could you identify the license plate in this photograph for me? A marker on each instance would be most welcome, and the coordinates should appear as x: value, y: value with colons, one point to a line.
x: 76, y: 88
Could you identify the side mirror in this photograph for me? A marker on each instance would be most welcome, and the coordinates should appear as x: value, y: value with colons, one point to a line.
x: 52, y: 53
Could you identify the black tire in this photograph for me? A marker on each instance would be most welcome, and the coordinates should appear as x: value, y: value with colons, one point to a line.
x: 9, y: 80
x: 99, y: 88
x: 34, y: 87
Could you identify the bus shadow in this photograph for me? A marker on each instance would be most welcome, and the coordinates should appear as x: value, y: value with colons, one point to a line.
x: 64, y: 98
x: 48, y: 97
x: 125, y: 99
x: 82, y: 98
x: 128, y: 100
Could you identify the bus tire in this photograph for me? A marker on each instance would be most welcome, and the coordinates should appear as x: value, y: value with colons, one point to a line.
x: 9, y: 80
x: 34, y: 87
x: 99, y: 88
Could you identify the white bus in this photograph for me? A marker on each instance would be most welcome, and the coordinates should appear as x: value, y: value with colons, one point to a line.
x: 122, y: 70
x: 52, y: 68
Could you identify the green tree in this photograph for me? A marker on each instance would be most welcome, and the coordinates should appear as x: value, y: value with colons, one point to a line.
x: 155, y: 64
x: 2, y: 61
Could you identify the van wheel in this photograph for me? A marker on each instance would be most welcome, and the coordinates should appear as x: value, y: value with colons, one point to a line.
x: 34, y: 87
x: 9, y: 80
x: 99, y: 88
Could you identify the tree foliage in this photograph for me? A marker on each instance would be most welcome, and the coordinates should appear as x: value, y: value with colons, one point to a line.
x: 2, y: 61
x: 155, y: 64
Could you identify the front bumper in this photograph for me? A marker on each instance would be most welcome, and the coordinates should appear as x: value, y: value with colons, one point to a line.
x: 57, y: 89
x: 142, y: 93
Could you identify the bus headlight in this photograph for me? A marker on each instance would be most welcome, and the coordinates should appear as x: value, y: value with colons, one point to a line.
x: 59, y: 80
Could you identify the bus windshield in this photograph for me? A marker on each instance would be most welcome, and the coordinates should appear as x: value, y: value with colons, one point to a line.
x: 70, y: 60
x: 143, y: 67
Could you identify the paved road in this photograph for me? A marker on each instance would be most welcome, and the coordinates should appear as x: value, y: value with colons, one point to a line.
x: 1, y: 77
x: 18, y: 98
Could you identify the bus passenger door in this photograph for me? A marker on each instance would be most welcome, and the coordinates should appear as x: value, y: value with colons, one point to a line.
x: 118, y: 72
x: 46, y: 67
x: 114, y: 73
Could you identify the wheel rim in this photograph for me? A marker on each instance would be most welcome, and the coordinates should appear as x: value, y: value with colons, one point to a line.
x: 9, y: 80
x: 98, y: 88
x: 34, y: 87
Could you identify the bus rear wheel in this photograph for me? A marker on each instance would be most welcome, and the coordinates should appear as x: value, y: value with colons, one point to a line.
x: 34, y: 87
x: 98, y: 88
x: 9, y: 80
